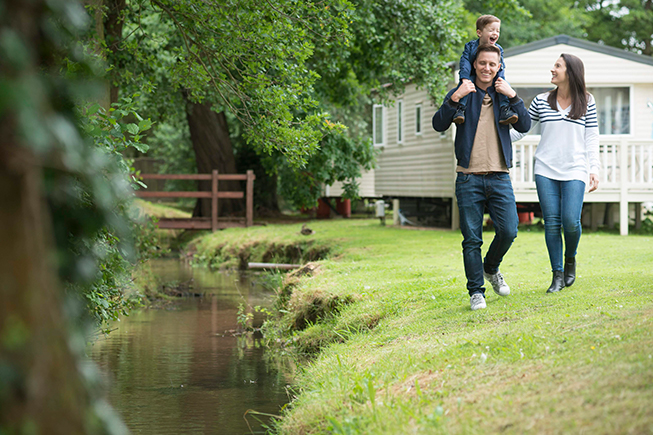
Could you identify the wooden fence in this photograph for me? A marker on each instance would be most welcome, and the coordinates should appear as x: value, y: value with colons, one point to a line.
x: 213, y: 223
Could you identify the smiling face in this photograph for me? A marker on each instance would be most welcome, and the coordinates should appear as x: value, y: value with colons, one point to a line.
x: 489, y: 34
x: 487, y: 65
x: 559, y: 72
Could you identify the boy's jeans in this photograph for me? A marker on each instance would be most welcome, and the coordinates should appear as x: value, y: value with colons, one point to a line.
x: 504, y: 102
x: 474, y: 193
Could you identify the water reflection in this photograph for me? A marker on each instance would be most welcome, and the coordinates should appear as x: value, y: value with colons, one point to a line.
x: 180, y: 371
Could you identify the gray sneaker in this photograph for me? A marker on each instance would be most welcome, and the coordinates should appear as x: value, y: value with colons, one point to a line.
x: 477, y: 301
x: 498, y: 284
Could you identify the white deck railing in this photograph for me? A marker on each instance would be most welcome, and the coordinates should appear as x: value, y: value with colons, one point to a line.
x: 632, y: 184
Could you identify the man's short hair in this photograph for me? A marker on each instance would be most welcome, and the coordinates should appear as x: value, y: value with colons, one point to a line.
x: 488, y: 47
x: 484, y: 20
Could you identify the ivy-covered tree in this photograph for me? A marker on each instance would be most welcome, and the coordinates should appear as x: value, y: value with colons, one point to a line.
x: 58, y: 190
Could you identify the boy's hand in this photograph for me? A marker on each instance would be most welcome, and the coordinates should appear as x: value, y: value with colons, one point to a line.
x: 504, y: 88
x: 465, y: 88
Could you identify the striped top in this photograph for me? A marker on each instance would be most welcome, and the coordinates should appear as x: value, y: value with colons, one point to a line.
x: 568, y: 148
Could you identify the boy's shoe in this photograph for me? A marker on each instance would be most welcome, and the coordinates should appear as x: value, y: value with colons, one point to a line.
x: 477, y: 301
x: 508, y: 116
x: 459, y: 116
x: 498, y: 283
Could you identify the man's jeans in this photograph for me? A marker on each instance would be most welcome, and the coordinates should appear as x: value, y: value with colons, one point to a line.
x: 474, y: 193
x: 562, y: 204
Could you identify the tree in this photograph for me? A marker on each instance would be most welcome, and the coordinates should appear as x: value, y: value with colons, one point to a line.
x: 280, y: 69
x: 624, y: 24
x: 46, y: 168
x: 529, y: 20
x: 244, y: 58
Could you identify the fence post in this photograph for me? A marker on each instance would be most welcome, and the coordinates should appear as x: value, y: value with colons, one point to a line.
x: 214, y: 200
x: 623, y: 190
x: 250, y: 199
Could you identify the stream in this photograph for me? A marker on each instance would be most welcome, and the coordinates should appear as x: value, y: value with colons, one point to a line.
x: 185, y: 369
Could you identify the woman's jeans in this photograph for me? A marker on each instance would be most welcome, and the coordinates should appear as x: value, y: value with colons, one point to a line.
x: 474, y: 193
x: 562, y: 204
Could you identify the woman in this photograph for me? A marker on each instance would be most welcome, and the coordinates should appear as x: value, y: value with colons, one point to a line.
x: 566, y: 160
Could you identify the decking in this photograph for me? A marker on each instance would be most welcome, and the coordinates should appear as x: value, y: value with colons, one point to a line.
x: 626, y: 174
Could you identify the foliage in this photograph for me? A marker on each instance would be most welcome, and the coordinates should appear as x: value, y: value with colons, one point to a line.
x: 392, y: 42
x: 113, y: 134
x: 256, y: 67
x: 83, y: 187
x: 622, y: 23
x: 341, y: 159
x: 528, y: 20
x: 85, y: 177
x: 315, y: 69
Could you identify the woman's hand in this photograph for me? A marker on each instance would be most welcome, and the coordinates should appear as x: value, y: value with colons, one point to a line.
x: 594, y: 182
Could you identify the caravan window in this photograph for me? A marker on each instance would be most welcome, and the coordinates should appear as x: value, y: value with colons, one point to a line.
x: 377, y: 125
x: 612, y: 107
x: 418, y: 119
x: 400, y: 121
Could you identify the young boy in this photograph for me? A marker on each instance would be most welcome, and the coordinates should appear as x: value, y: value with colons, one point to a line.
x: 488, y: 28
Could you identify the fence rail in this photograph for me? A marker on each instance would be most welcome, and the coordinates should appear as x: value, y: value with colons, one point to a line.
x: 638, y: 164
x: 214, y: 222
x: 626, y: 172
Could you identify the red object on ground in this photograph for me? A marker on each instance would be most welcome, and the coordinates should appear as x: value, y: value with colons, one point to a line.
x: 323, y: 210
x: 525, y: 217
x: 343, y: 206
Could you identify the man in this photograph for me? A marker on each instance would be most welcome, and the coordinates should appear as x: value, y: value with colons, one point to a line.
x: 484, y: 154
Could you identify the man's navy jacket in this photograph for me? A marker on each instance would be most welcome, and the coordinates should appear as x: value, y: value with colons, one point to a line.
x: 466, y: 132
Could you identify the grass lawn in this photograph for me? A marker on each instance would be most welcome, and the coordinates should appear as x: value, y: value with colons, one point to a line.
x: 401, y: 352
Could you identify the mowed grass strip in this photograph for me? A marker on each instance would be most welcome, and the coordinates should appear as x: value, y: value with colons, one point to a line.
x: 407, y: 355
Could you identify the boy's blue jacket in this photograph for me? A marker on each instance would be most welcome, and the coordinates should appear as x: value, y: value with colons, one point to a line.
x: 466, y: 65
x: 466, y: 132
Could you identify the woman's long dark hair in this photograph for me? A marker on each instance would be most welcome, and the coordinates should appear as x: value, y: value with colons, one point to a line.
x: 577, y: 90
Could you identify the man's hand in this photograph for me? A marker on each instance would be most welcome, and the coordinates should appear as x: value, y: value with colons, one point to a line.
x: 504, y: 88
x: 465, y: 88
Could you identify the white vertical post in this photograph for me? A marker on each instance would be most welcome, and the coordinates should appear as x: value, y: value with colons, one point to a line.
x: 522, y: 162
x: 531, y: 177
x: 604, y: 150
x: 623, y: 194
x: 633, y: 167
x: 641, y: 163
x: 613, y: 170
x: 650, y: 164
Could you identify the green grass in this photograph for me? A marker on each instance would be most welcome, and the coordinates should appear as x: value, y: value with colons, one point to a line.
x: 403, y: 353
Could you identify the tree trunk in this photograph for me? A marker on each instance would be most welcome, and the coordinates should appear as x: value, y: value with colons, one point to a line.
x: 41, y: 389
x: 41, y: 383
x: 113, y: 24
x: 265, y: 187
x: 209, y: 133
